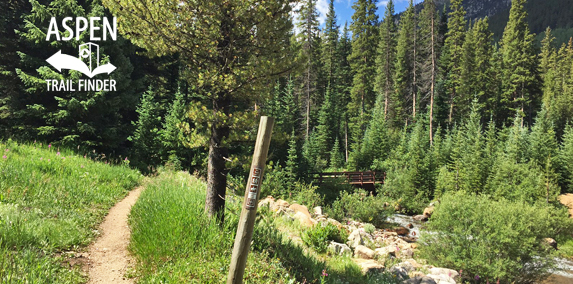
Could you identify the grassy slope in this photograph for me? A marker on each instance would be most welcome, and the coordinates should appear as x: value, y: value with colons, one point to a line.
x: 51, y: 202
x: 174, y: 242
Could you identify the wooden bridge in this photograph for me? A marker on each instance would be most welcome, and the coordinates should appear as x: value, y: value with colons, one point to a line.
x: 365, y: 180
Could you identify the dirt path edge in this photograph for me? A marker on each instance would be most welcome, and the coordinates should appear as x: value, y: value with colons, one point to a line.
x: 108, y: 257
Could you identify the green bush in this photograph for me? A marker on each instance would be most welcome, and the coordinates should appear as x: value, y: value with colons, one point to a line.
x: 361, y: 206
x: 276, y: 183
x: 369, y: 228
x: 318, y: 237
x: 496, y: 240
x: 306, y: 194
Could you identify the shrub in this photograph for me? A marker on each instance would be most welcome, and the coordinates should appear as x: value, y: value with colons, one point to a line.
x: 361, y: 206
x: 276, y: 182
x: 279, y: 185
x: 306, y: 194
x: 369, y: 228
x: 318, y: 237
x: 496, y: 240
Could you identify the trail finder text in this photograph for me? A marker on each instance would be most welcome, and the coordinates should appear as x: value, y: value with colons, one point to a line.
x: 88, y: 60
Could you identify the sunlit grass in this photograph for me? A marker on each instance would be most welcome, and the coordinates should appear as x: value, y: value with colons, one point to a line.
x: 51, y: 200
x: 174, y: 241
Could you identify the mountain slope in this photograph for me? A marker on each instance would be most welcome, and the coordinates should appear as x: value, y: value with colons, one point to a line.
x: 557, y: 14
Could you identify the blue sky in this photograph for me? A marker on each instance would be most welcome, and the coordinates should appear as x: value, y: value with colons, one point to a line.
x: 344, y: 11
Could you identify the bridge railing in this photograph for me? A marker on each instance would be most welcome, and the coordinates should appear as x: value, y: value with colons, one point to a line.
x: 357, y: 178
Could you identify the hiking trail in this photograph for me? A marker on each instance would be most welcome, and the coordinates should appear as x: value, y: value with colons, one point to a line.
x: 108, y: 258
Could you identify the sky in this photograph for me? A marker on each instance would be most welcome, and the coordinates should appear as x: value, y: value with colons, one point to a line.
x: 344, y: 11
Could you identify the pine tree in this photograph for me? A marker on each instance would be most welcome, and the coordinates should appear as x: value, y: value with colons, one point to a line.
x: 375, y: 145
x: 451, y: 59
x: 336, y: 159
x: 343, y: 88
x: 11, y: 17
x: 324, y: 130
x: 386, y: 56
x: 308, y: 38
x: 519, y: 64
x: 292, y: 162
x: 362, y: 63
x: 224, y: 57
x: 405, y: 65
x: 146, y: 138
x: 468, y: 164
x: 558, y: 87
x: 566, y: 158
x: 542, y: 142
x: 547, y: 54
x: 483, y: 85
x: 171, y: 131
x: 329, y: 48
x: 466, y: 93
x: 493, y: 108
x: 429, y: 45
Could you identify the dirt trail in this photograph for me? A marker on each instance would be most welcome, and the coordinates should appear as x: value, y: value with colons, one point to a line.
x: 567, y: 200
x: 108, y: 258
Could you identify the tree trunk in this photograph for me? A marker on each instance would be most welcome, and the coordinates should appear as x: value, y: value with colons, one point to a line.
x: 414, y: 82
x: 451, y: 108
x: 216, y: 171
x: 432, y: 82
x: 346, y: 140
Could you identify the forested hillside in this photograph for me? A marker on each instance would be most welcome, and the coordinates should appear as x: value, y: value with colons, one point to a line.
x: 541, y: 14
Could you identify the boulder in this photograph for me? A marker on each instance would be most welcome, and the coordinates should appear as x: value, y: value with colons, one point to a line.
x: 279, y: 204
x: 304, y: 220
x: 407, y: 266
x: 399, y: 272
x: 405, y: 253
x: 363, y: 252
x: 284, y: 211
x: 414, y: 263
x: 410, y: 226
x: 442, y: 278
x: 567, y: 200
x: 320, y: 219
x: 550, y: 242
x: 444, y: 271
x: 317, y: 210
x: 420, y: 280
x: 368, y: 265
x: 268, y: 201
x: 300, y: 208
x: 428, y: 211
x: 385, y: 251
x: 359, y: 237
x: 421, y: 218
x: 402, y: 231
x: 339, y: 249
x: 334, y: 222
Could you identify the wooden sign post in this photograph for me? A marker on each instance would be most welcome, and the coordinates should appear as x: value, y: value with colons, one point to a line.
x: 249, y: 211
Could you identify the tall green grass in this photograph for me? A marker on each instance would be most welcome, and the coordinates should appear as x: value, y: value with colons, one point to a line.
x: 51, y: 200
x: 175, y: 242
